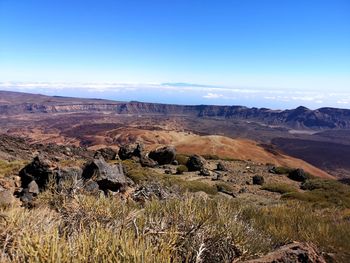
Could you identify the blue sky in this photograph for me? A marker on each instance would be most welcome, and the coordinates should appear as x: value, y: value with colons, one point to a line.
x: 276, y: 53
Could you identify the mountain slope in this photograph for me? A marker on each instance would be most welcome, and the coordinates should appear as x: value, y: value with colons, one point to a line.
x: 299, y: 118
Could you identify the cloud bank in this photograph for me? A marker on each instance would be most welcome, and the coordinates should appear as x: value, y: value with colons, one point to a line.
x: 187, y: 93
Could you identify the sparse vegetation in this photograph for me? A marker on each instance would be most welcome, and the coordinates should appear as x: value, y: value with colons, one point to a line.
x: 182, y: 158
x: 327, y: 193
x: 279, y: 188
x: 224, y: 187
x: 8, y: 168
x: 282, y: 170
x: 181, y: 169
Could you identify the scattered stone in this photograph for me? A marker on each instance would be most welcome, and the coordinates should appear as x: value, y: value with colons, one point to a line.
x: 295, y: 252
x: 26, y: 198
x: 107, y: 153
x: 33, y: 188
x: 108, y: 177
x: 258, y: 180
x: 243, y: 190
x: 221, y: 167
x: 205, y: 172
x: 168, y: 172
x: 147, y: 162
x: 164, y: 155
x: 298, y: 175
x: 7, y: 199
x: 195, y: 163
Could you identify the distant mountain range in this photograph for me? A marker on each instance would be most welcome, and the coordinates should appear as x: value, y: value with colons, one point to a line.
x: 12, y: 103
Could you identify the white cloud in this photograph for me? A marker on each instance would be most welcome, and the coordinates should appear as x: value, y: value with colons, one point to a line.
x: 213, y: 96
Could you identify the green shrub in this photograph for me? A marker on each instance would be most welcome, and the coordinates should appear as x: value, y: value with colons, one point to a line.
x: 279, y: 188
x: 282, y: 170
x: 323, y: 193
x: 211, y: 157
x: 182, y: 158
x: 181, y: 169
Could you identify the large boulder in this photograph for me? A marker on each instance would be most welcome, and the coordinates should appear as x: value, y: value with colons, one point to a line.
x: 39, y: 170
x: 107, y: 153
x: 295, y: 252
x: 196, y: 163
x: 108, y: 177
x: 164, y: 155
x: 130, y: 150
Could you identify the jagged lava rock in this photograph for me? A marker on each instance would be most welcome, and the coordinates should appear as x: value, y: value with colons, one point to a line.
x: 164, y: 155
x: 147, y: 162
x: 108, y: 177
x: 107, y: 153
x: 195, y: 163
x: 221, y: 167
x: 39, y: 170
x: 130, y: 150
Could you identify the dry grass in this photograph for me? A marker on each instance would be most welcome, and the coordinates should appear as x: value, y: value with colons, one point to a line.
x: 9, y: 168
x: 107, y: 229
x: 279, y: 188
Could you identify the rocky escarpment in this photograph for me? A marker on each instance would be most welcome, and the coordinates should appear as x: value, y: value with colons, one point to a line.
x: 299, y: 118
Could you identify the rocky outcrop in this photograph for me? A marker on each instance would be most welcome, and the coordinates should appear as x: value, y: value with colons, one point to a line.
x: 39, y: 170
x: 195, y: 163
x: 107, y: 177
x: 107, y: 153
x: 131, y: 150
x: 295, y: 252
x: 164, y: 155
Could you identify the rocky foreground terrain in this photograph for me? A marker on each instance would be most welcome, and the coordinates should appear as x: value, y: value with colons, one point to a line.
x: 67, y: 203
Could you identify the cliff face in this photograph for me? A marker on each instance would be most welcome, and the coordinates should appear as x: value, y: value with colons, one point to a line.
x: 325, y: 118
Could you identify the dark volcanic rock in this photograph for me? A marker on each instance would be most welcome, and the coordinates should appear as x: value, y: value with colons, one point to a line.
x: 295, y: 252
x: 258, y: 180
x: 164, y: 155
x: 298, y: 175
x: 195, y: 163
x: 147, y: 162
x: 130, y: 150
x: 221, y: 167
x: 107, y: 153
x: 39, y: 170
x: 108, y: 177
